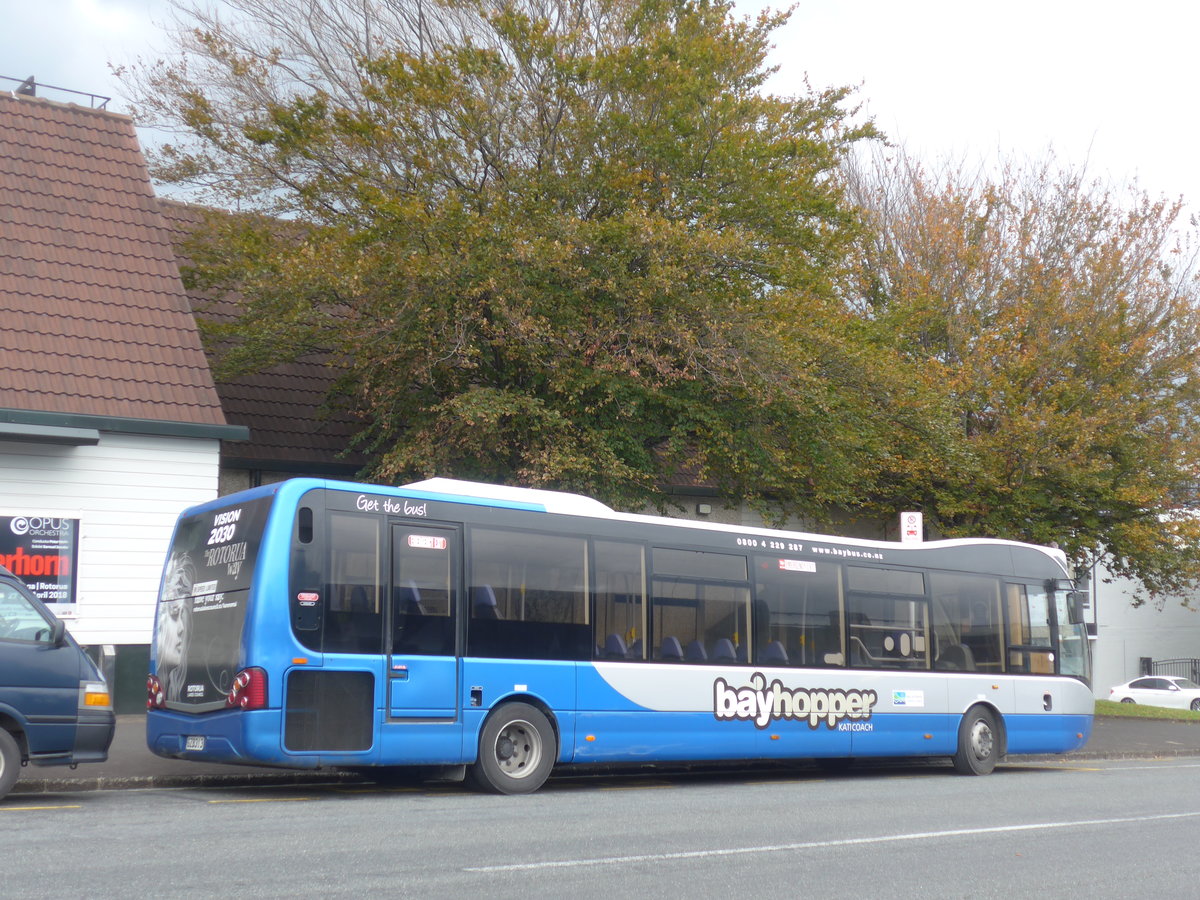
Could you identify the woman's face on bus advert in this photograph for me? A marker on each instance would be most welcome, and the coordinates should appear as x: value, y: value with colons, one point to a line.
x: 173, y: 615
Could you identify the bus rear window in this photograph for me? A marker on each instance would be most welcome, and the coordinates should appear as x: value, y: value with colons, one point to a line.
x: 202, y: 603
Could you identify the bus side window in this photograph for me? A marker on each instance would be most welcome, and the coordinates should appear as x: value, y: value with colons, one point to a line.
x: 620, y: 599
x: 966, y: 622
x: 528, y: 595
x: 798, y: 613
x: 887, y: 618
x: 701, y: 604
x: 354, y: 616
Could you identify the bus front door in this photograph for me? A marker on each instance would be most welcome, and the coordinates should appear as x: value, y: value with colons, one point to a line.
x: 422, y: 722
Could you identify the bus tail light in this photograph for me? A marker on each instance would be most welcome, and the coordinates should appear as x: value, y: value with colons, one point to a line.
x: 155, y: 697
x: 249, y: 689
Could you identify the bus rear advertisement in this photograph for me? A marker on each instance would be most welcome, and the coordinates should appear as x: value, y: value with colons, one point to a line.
x: 446, y: 623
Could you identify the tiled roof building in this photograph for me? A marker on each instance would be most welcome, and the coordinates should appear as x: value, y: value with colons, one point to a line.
x: 110, y: 424
x: 95, y: 321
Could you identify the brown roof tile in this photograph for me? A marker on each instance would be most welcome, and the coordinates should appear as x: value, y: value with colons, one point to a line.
x: 95, y: 321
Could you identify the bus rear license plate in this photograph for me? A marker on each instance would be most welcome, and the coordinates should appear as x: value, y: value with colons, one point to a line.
x: 194, y: 742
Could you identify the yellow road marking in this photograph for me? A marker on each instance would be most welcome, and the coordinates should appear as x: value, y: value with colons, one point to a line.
x: 36, y: 808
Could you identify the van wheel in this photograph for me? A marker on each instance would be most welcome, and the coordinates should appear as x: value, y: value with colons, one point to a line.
x: 10, y: 762
x: 516, y: 750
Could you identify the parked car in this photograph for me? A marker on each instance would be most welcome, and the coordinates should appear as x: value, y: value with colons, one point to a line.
x: 1159, y: 690
x: 55, y: 707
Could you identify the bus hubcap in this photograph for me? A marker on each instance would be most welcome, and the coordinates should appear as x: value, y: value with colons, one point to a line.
x: 518, y: 749
x: 505, y: 749
x: 981, y: 740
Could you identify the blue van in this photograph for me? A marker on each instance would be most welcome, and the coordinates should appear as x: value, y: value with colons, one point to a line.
x: 55, y: 707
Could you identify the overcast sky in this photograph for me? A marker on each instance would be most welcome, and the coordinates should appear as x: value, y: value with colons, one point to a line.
x: 1106, y: 84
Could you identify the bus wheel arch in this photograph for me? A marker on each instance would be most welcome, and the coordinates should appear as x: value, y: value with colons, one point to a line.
x: 518, y: 746
x: 982, y: 740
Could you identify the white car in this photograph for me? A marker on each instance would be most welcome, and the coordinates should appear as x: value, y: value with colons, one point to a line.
x: 1159, y: 690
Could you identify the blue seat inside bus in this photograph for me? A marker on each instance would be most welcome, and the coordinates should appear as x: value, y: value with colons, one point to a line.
x: 723, y: 650
x: 774, y: 654
x: 956, y: 657
x: 484, y: 602
x: 614, y: 647
x: 408, y: 600
x: 671, y: 649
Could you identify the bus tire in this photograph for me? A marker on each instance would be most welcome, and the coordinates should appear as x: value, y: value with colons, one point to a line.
x: 978, y: 742
x: 517, y: 750
x: 10, y: 762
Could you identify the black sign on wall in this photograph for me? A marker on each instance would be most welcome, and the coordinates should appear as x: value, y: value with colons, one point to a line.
x: 42, y: 551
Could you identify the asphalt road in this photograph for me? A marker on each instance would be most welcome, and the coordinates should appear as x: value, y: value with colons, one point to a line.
x: 131, y: 764
x: 1057, y: 829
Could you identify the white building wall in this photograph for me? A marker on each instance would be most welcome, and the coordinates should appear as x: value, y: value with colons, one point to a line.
x: 1125, y: 634
x: 126, y: 492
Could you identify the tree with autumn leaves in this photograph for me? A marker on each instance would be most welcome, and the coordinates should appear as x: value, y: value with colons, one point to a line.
x: 1051, y: 335
x: 570, y: 243
x: 578, y: 244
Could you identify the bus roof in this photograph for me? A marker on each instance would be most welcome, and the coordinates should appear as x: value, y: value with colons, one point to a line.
x: 562, y: 503
x: 579, y: 505
x: 547, y: 501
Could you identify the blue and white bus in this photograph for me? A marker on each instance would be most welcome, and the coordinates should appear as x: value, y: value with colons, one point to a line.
x: 317, y: 624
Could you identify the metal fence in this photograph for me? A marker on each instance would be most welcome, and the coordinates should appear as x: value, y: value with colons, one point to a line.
x: 1183, y: 666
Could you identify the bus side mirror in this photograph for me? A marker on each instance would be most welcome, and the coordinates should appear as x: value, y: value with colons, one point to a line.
x: 1075, y: 598
x: 1075, y: 606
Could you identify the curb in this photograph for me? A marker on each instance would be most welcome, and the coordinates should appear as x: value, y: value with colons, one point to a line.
x: 285, y: 778
x: 113, y: 783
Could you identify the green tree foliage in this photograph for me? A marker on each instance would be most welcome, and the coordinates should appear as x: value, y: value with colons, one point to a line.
x: 1051, y: 333
x: 571, y: 243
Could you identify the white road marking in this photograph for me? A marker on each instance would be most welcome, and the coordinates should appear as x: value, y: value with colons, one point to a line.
x: 817, y: 845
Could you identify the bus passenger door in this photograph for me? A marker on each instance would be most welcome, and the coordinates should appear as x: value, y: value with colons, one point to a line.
x: 422, y: 666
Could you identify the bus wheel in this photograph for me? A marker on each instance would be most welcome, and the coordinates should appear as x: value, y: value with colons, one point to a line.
x: 516, y: 750
x: 10, y: 762
x: 978, y: 742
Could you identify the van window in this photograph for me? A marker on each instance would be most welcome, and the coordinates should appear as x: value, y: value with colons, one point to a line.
x: 20, y: 620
